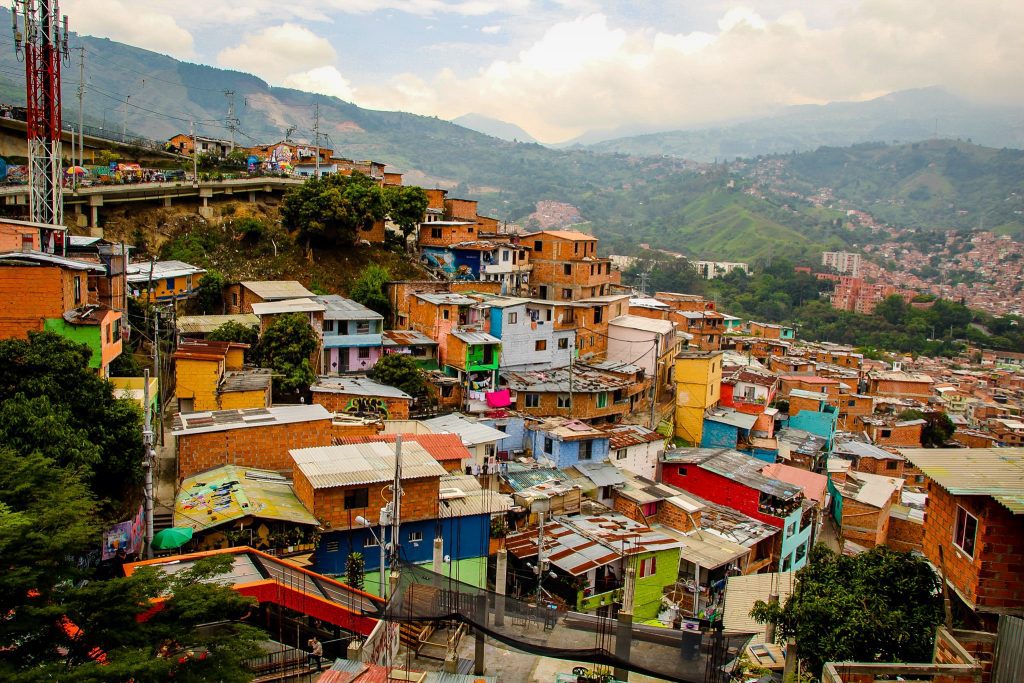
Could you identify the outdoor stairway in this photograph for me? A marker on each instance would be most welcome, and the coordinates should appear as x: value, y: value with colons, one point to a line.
x: 413, y: 633
x: 162, y: 519
x: 437, y: 644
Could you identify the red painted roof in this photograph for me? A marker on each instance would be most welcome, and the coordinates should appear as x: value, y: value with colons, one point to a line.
x: 813, y: 484
x: 443, y: 447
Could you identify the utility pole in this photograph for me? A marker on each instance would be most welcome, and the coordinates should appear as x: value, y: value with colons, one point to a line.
x: 540, y: 558
x: 316, y: 136
x: 232, y: 121
x: 81, y: 108
x: 148, y: 461
x: 396, y: 505
x: 195, y: 156
x: 124, y: 120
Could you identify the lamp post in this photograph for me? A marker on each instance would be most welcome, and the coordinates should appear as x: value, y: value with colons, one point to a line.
x: 363, y: 522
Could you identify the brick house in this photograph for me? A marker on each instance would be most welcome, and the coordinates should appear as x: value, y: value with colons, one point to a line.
x: 758, y: 347
x: 259, y: 438
x: 447, y: 449
x: 210, y: 375
x: 355, y: 395
x: 164, y: 281
x: 593, y: 393
x: 885, y: 431
x: 696, y: 316
x: 401, y: 293
x: 41, y: 291
x: 769, y: 331
x: 866, y: 457
x: 899, y: 384
x: 566, y: 266
x: 473, y: 358
x: 972, y: 526
x: 733, y: 479
x: 853, y: 406
x: 790, y: 365
x: 861, y: 504
x: 240, y: 296
x: 1008, y: 432
x: 591, y: 317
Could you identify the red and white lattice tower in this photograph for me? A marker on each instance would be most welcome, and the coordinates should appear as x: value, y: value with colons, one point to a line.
x: 42, y: 40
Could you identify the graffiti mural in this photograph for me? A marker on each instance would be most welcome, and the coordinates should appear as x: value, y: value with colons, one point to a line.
x: 368, y: 405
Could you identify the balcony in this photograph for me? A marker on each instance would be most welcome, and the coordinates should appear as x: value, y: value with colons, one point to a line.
x: 586, y: 603
x: 507, y: 267
x: 336, y: 341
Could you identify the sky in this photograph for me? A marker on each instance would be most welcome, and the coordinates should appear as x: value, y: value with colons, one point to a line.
x: 560, y: 68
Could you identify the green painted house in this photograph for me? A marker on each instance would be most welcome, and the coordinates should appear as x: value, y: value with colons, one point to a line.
x: 473, y: 358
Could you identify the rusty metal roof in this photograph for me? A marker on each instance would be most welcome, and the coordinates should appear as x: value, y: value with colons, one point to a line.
x: 994, y: 472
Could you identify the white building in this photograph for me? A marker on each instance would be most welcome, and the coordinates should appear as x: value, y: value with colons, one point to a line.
x: 843, y: 262
x: 712, y: 269
x: 511, y: 267
x: 635, y: 449
x: 529, y: 337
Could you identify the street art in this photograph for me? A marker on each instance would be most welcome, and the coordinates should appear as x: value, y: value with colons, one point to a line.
x: 366, y: 405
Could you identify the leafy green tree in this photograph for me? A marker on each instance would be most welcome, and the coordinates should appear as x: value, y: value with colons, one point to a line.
x: 407, y: 205
x: 237, y: 158
x: 893, y: 309
x: 210, y: 293
x: 355, y: 570
x: 332, y: 210
x: 125, y: 365
x: 45, y: 381
x: 232, y: 331
x: 400, y: 371
x: 880, y: 605
x: 937, y: 430
x: 368, y: 289
x: 286, y: 348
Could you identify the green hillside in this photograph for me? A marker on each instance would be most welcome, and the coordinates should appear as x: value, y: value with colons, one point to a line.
x: 938, y: 184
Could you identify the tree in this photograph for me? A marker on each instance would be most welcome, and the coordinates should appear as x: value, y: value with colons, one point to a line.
x: 400, y: 371
x: 892, y: 308
x: 238, y: 158
x: 286, y: 348
x: 407, y: 204
x: 232, y: 331
x: 880, y: 605
x: 368, y: 289
x: 332, y: 210
x: 210, y: 293
x: 355, y: 570
x: 51, y: 397
x: 937, y: 430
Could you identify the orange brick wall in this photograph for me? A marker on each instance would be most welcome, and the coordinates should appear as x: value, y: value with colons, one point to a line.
x: 881, y: 467
x: 905, y: 535
x: 974, y: 440
x: 865, y: 525
x: 245, y: 299
x: 341, y: 430
x: 28, y: 294
x: 894, y: 388
x: 994, y: 578
x: 584, y: 406
x: 12, y: 237
x: 398, y: 408
x: 264, y: 447
x: 909, y: 436
x: 420, y: 499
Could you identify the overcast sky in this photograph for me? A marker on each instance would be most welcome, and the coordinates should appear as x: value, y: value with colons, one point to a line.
x: 563, y: 67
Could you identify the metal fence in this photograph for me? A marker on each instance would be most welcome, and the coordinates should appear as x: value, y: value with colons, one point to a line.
x: 1008, y: 660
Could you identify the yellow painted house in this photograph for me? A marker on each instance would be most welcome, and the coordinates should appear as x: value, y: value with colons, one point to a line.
x: 698, y: 387
x: 211, y: 375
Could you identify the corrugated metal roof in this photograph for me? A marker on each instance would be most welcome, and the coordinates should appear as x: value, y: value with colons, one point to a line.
x: 222, y: 420
x: 305, y: 305
x: 995, y: 472
x: 16, y: 257
x: 225, y: 494
x: 353, y: 464
x: 734, y: 465
x: 731, y: 417
x: 528, y: 478
x: 584, y: 380
x: 276, y: 290
x: 445, y: 298
x: 340, y: 308
x: 471, y: 433
x: 444, y: 447
x: 357, y: 386
x: 624, y: 436
x: 475, y: 337
x: 406, y: 338
x: 158, y: 270
x: 204, y: 324
x: 870, y: 489
x: 257, y: 379
x: 601, y: 473
x: 741, y: 592
x: 812, y: 483
x: 864, y: 450
x: 636, y: 322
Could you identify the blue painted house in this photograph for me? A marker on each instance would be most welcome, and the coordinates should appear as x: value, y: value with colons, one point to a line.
x: 562, y: 442
x: 726, y: 428
x: 822, y: 421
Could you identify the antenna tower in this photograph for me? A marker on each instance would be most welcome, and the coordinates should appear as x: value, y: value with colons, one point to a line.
x: 42, y: 42
x: 231, y: 120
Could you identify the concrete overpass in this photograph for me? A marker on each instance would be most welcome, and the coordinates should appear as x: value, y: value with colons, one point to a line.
x: 85, y: 202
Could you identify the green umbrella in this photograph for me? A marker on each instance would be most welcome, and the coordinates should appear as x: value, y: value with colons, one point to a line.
x: 175, y: 537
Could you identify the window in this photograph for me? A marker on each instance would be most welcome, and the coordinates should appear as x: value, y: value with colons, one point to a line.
x: 681, y: 471
x: 586, y: 450
x: 328, y: 326
x: 445, y: 314
x: 620, y: 454
x: 648, y: 566
x: 234, y: 298
x: 364, y: 352
x: 567, y: 293
x: 363, y: 327
x: 117, y: 328
x: 357, y: 498
x: 891, y: 464
x: 919, y: 479
x: 470, y: 229
x: 886, y: 433
x: 415, y: 536
x: 369, y: 541
x: 170, y: 283
x: 540, y: 345
x: 533, y: 400
x: 575, y: 247
x: 549, y: 445
x: 538, y: 246
x: 851, y: 402
x: 791, y: 529
x: 563, y: 343
x: 78, y: 289
x: 567, y: 268
x: 598, y: 315
x: 564, y: 401
x: 331, y: 546
x: 107, y: 330
x: 649, y: 509
x: 435, y: 233
x: 602, y: 399
x: 513, y: 318
x: 966, y: 531
x: 504, y: 254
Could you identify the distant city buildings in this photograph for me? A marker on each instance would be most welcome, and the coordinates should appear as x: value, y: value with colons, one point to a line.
x: 843, y: 262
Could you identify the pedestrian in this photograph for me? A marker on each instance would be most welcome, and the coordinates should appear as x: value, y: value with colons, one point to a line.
x: 316, y: 652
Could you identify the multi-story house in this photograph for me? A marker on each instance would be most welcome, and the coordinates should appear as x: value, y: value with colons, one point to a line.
x: 889, y: 431
x: 698, y: 376
x: 899, y: 384
x: 595, y: 393
x: 437, y: 315
x: 733, y: 479
x: 510, y: 266
x: 352, y: 335
x: 473, y: 358
x: 211, y: 375
x: 566, y: 266
x: 561, y: 442
x: 696, y: 316
x: 1008, y: 432
x: 532, y: 333
x: 844, y: 262
x: 649, y: 344
x: 972, y: 527
x: 163, y: 281
x: 590, y: 317
x: 43, y: 291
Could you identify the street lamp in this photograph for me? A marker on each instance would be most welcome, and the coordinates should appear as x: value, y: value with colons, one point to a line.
x: 365, y: 523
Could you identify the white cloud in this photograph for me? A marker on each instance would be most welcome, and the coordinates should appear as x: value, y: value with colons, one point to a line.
x: 469, y: 8
x: 326, y: 80
x: 278, y: 52
x: 491, y: 29
x: 589, y: 73
x: 120, y: 20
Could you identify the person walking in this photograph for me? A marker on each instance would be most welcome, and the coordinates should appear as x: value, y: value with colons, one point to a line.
x: 316, y: 652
